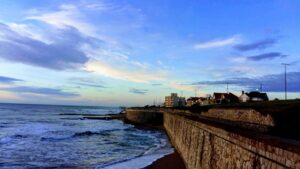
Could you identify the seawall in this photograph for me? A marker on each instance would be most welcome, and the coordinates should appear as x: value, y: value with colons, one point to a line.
x: 205, y: 146
x: 234, y: 137
x: 140, y: 116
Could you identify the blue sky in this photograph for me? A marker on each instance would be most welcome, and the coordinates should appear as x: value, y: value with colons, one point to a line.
x: 130, y: 52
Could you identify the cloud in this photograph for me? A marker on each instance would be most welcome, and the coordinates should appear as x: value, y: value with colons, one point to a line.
x: 218, y: 43
x: 62, y: 54
x: 90, y: 84
x: 83, y: 14
x: 68, y: 38
x: 264, y: 56
x: 8, y: 80
x: 262, y: 44
x: 271, y: 83
x: 138, y: 91
x: 39, y: 91
x: 156, y: 84
x: 87, y: 82
x: 109, y: 57
x: 67, y: 15
x: 134, y: 74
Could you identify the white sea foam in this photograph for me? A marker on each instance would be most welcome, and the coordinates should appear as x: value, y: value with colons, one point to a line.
x: 35, y: 133
x: 139, y: 162
x: 5, y: 140
x: 158, y: 151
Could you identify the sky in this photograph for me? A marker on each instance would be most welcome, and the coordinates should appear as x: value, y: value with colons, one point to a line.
x: 133, y: 52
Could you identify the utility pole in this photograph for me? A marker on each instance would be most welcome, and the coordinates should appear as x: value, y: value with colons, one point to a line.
x: 227, y: 86
x: 261, y: 87
x: 285, y: 83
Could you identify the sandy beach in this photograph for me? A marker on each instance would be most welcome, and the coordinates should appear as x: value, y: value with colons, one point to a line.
x: 171, y: 161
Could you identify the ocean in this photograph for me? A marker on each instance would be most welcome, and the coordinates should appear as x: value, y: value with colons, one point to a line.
x: 37, y: 136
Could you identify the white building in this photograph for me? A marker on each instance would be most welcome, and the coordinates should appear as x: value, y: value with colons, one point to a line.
x: 253, y: 96
x: 244, y: 97
x: 196, y: 101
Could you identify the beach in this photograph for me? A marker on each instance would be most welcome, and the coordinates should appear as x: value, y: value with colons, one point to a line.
x: 170, y: 161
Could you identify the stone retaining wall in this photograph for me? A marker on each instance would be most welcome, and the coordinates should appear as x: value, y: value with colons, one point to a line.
x: 208, y: 147
x: 144, y: 117
x: 241, y: 115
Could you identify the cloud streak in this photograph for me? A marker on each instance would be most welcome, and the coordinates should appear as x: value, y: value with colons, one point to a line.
x: 258, y: 45
x: 8, y: 80
x: 266, y: 56
x: 138, y: 91
x: 271, y: 83
x: 217, y: 43
x: 39, y: 91
x: 87, y: 82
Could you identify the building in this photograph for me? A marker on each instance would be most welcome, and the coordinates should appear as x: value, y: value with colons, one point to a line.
x: 220, y: 98
x: 253, y: 96
x: 195, y: 101
x: 174, y: 101
x: 244, y: 97
x: 181, y: 102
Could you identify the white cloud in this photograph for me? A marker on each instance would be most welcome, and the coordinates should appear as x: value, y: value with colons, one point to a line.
x: 179, y: 86
x: 99, y: 6
x: 141, y: 76
x: 159, y: 62
x: 31, y: 31
x: 238, y: 59
x: 66, y: 16
x: 218, y: 43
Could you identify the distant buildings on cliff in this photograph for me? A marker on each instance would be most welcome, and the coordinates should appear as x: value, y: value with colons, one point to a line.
x: 218, y: 98
x: 174, y: 101
x: 253, y: 96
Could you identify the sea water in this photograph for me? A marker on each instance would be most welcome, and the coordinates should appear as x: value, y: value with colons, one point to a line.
x: 38, y: 136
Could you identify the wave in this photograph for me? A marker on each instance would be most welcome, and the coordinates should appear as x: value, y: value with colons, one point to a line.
x: 5, y: 140
x: 79, y: 134
x: 156, y: 147
x: 19, y: 136
x: 87, y: 133
x: 9, y: 139
x: 54, y: 138
x: 142, y: 160
x: 137, y: 162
